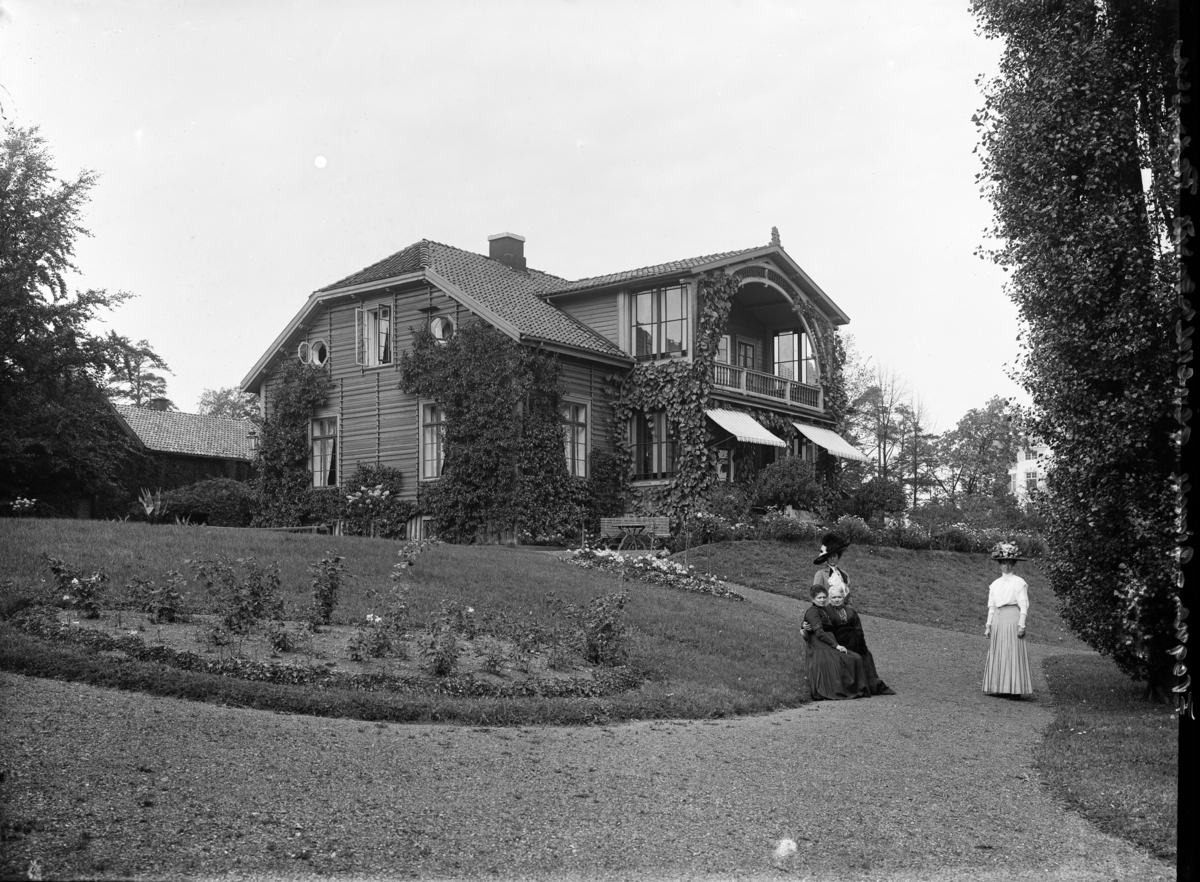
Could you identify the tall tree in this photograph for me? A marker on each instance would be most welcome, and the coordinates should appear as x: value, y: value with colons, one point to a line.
x: 916, y: 463
x: 133, y: 379
x: 877, y: 414
x: 1083, y: 105
x: 58, y: 439
x: 229, y: 402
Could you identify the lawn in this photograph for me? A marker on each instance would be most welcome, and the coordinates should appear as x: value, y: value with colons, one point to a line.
x: 1110, y: 755
x: 698, y: 656
x: 942, y: 589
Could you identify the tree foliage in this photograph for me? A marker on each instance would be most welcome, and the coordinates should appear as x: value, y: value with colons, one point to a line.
x: 59, y: 440
x: 228, y: 402
x: 1084, y: 102
x: 134, y: 379
x: 975, y: 455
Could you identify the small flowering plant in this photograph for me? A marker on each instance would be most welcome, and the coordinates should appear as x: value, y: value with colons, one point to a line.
x: 23, y: 507
x: 79, y: 592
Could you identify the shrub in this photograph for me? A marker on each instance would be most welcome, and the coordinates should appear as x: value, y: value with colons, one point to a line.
x: 79, y: 592
x: 218, y: 502
x: 246, y: 594
x: 372, y: 505
x: 326, y: 581
x: 855, y: 530
x: 789, y: 481
x: 782, y: 528
x: 729, y: 501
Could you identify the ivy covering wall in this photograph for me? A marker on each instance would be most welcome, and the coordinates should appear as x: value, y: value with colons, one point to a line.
x: 281, y: 485
x: 504, y: 471
x: 682, y: 389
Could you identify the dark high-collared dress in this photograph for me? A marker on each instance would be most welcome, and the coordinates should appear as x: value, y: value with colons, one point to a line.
x: 848, y: 631
x: 832, y: 675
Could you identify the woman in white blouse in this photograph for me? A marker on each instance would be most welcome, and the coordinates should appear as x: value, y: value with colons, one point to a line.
x: 1007, y: 669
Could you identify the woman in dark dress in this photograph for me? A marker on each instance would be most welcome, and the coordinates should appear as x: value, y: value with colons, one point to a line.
x: 834, y: 672
x: 848, y: 631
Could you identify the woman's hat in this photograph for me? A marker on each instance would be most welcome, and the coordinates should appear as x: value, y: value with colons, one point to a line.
x: 831, y: 543
x: 1003, y: 551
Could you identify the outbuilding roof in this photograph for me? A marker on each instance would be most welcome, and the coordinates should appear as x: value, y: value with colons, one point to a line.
x: 189, y: 434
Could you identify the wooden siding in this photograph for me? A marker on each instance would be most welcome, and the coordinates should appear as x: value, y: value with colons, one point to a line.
x: 599, y: 312
x: 377, y: 423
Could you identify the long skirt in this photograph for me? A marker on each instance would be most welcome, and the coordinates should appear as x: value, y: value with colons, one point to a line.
x: 1007, y: 669
x: 834, y: 675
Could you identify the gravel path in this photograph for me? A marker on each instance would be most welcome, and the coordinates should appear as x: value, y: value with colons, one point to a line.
x: 934, y: 783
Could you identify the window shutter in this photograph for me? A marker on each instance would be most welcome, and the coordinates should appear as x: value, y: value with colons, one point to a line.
x: 360, y: 334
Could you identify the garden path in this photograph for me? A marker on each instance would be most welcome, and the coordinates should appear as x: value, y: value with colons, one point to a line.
x: 934, y: 783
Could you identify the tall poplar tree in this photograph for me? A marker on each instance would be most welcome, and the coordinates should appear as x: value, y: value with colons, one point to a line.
x: 1079, y: 136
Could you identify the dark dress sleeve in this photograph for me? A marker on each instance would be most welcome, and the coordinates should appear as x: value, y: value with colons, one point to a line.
x: 857, y: 622
x: 820, y: 625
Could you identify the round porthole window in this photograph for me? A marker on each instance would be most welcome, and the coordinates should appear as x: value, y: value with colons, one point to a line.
x: 442, y: 328
x: 318, y: 353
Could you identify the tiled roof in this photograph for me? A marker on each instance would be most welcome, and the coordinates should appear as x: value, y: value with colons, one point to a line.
x: 189, y: 433
x: 660, y: 269
x: 511, y: 295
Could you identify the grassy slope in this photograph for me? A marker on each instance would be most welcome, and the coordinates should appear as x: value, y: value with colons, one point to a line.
x: 746, y: 664
x: 1111, y: 756
x: 944, y: 589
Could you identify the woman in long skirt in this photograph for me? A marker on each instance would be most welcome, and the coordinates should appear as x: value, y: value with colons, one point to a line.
x: 1007, y: 669
x: 834, y: 672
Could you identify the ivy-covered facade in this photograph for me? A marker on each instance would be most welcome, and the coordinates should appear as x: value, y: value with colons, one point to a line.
x: 666, y: 379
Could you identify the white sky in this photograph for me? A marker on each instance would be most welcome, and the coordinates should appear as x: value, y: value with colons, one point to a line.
x: 610, y: 134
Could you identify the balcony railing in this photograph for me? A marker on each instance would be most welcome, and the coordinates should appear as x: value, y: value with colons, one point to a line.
x: 756, y: 384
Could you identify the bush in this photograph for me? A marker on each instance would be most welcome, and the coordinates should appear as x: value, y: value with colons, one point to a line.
x: 855, y: 531
x: 729, y: 501
x: 371, y: 504
x: 218, y: 502
x: 778, y: 526
x: 789, y: 481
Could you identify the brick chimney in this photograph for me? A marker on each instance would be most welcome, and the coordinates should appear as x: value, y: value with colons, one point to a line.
x: 509, y: 249
x: 163, y: 404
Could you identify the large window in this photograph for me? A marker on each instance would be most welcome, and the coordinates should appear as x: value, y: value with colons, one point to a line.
x: 660, y: 322
x: 723, y: 349
x: 575, y: 428
x: 432, y: 453
x: 794, y: 358
x: 374, y: 336
x: 653, y: 447
x: 324, y: 452
x: 1031, y: 482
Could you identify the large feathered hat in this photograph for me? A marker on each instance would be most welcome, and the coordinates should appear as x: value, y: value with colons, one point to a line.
x: 1009, y: 551
x: 831, y: 543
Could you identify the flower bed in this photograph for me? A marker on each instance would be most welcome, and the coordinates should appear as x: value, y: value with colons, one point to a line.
x: 653, y: 567
x: 43, y: 624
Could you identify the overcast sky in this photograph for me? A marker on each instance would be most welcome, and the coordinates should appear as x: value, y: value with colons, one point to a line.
x: 251, y: 152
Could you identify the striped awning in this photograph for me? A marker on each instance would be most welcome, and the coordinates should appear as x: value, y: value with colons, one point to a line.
x: 744, y: 427
x: 831, y: 441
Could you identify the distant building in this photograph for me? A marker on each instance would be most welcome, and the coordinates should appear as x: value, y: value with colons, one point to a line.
x: 182, y: 448
x: 1027, y: 475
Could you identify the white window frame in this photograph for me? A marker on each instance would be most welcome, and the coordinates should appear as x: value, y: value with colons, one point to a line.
x: 725, y: 344
x: 422, y: 425
x: 577, y: 466
x: 374, y: 340
x: 658, y: 322
x: 334, y: 452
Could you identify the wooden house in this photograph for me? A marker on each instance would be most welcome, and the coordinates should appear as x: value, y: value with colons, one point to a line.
x: 772, y: 357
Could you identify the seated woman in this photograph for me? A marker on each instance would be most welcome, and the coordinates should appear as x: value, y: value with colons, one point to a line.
x: 848, y: 631
x: 834, y: 672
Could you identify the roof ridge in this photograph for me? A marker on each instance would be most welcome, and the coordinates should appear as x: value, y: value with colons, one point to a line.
x: 716, y: 255
x: 206, y: 416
